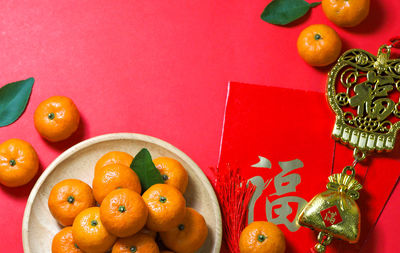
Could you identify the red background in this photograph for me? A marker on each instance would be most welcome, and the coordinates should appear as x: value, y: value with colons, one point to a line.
x: 159, y: 68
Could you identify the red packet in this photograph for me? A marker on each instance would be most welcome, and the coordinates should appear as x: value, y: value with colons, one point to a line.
x: 281, y: 140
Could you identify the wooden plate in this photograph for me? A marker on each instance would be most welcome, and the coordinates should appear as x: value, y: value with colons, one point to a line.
x: 39, y: 226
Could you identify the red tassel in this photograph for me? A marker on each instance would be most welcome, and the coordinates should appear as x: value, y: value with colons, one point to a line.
x: 234, y: 196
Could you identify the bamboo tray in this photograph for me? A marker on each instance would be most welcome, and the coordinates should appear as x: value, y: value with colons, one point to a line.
x: 39, y: 226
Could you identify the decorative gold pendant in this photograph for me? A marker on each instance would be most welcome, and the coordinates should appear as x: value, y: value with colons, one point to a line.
x: 364, y: 92
x: 335, y: 212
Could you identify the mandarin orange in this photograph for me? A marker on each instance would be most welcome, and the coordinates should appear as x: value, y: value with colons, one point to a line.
x: 89, y: 232
x: 63, y: 242
x: 346, y: 13
x: 139, y: 243
x: 114, y: 157
x: 56, y: 118
x: 123, y: 212
x: 173, y: 172
x: 189, y: 235
x: 262, y: 236
x: 19, y: 162
x: 114, y: 176
x: 68, y: 198
x: 319, y: 45
x: 166, y: 207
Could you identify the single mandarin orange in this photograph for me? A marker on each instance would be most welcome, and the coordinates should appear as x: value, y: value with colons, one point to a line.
x: 114, y: 176
x: 114, y: 157
x: 89, y: 232
x: 166, y: 207
x: 173, y: 172
x: 19, y: 162
x: 68, y: 198
x: 346, y: 13
x: 56, y: 118
x: 319, y: 45
x: 123, y: 212
x: 189, y: 235
x: 262, y: 236
x: 63, y: 242
x: 139, y: 243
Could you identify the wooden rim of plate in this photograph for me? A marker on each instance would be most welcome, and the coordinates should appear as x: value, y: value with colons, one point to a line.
x: 109, y: 137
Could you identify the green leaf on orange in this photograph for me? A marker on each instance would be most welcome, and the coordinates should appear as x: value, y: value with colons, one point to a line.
x: 13, y: 100
x: 283, y: 12
x: 147, y: 172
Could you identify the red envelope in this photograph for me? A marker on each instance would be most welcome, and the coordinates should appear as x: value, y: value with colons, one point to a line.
x: 283, y: 137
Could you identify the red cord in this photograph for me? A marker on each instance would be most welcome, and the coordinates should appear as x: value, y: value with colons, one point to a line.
x: 395, y: 42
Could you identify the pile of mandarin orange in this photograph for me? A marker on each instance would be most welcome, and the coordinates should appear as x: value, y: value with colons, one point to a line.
x: 113, y: 216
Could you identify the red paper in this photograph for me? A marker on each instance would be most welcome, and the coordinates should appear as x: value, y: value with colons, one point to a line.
x: 284, y: 135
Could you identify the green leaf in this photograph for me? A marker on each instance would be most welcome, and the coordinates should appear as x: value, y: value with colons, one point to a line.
x: 282, y: 12
x: 147, y: 172
x: 312, y: 5
x: 13, y: 100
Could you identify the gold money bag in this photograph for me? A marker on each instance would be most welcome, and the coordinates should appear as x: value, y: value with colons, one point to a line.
x: 364, y: 90
x: 334, y: 213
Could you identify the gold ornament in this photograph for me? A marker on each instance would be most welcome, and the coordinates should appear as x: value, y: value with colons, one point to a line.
x: 364, y: 92
x: 335, y: 213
